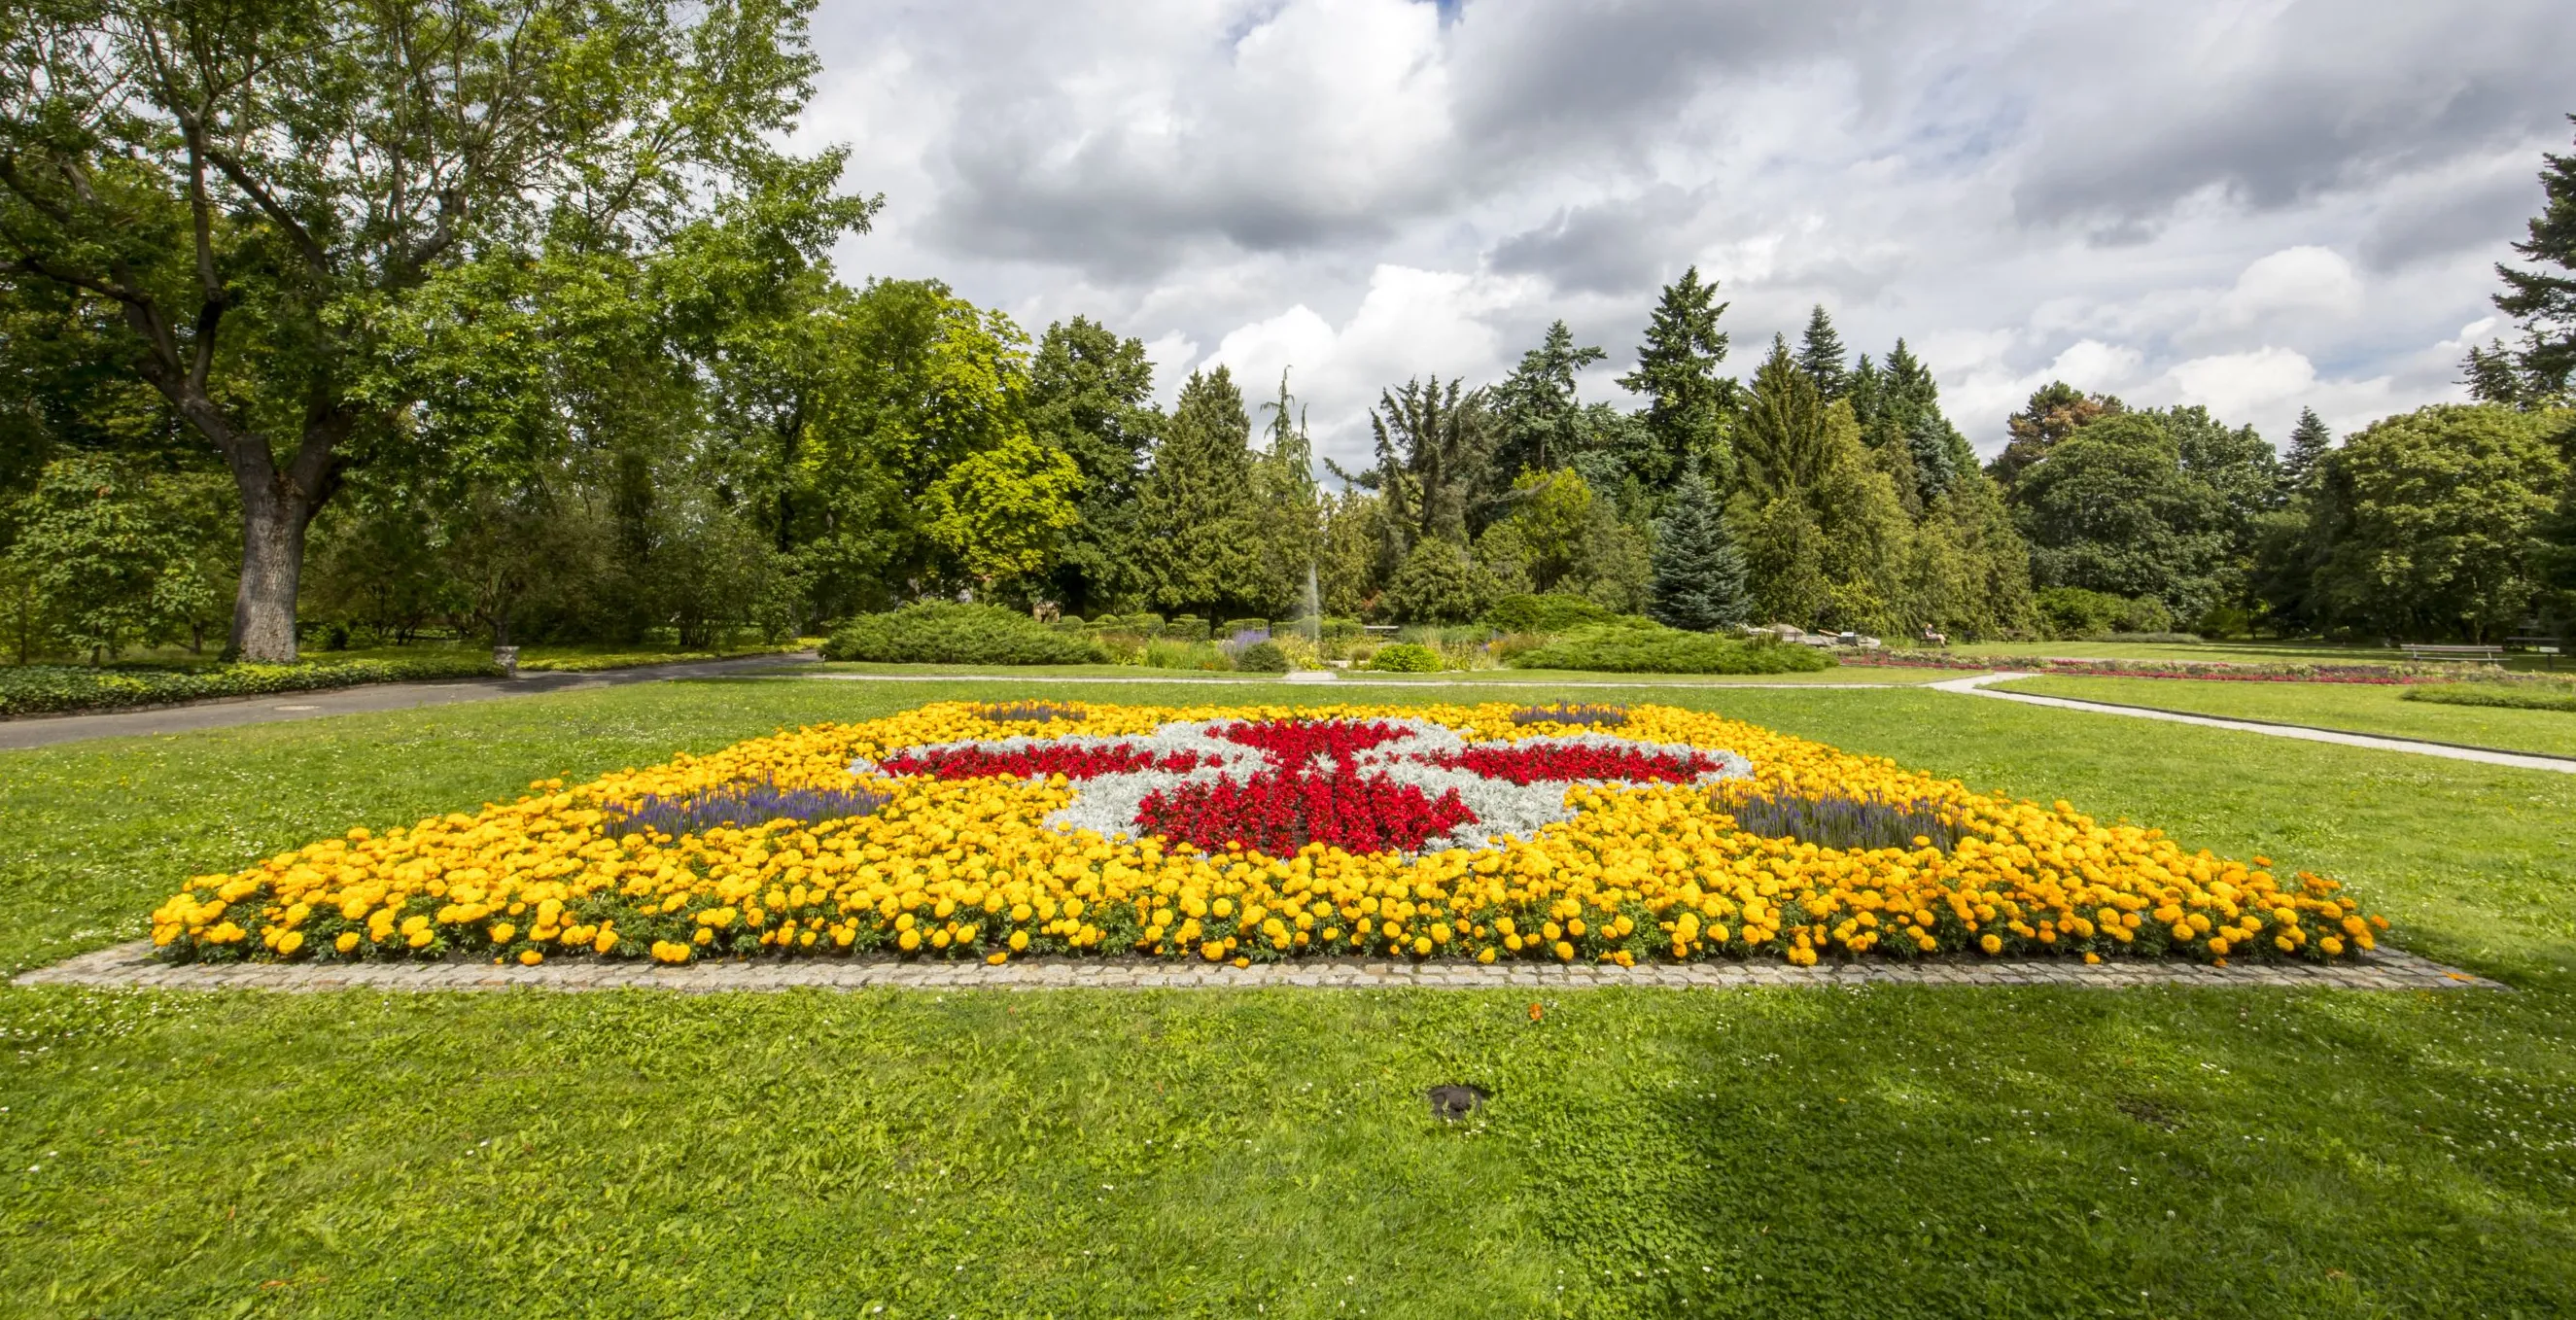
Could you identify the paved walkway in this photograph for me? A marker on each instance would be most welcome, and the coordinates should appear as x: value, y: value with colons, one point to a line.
x: 46, y: 730
x: 1975, y: 687
x: 132, y: 965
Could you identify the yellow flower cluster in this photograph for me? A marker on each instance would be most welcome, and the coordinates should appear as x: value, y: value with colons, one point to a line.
x: 967, y: 868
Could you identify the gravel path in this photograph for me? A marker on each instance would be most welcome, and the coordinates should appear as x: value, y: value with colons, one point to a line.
x: 131, y: 966
x: 1975, y: 687
x: 46, y: 730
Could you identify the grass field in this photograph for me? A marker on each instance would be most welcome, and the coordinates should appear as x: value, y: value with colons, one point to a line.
x: 1915, y: 1151
x: 2359, y: 708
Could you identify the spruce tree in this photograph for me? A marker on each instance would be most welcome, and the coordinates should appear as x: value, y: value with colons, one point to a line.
x: 1698, y: 576
x: 1198, y: 517
x: 1821, y: 354
x: 2309, y: 441
x: 1688, y: 403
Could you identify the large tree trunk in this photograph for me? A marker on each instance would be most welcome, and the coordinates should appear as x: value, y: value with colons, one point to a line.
x: 274, y: 516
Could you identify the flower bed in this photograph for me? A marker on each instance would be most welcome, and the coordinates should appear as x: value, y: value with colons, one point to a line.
x: 2230, y: 671
x: 1264, y: 833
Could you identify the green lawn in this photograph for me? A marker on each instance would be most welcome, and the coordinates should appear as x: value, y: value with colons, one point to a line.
x: 1915, y: 1151
x: 2243, y: 653
x: 2359, y: 708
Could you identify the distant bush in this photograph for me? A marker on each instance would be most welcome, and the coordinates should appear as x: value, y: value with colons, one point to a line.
x: 1554, y: 612
x: 1333, y: 629
x: 947, y: 634
x: 2075, y: 614
x: 1651, y: 648
x: 1233, y: 626
x: 1405, y: 658
x: 1263, y: 658
x: 1187, y: 628
x: 49, y: 689
x: 2497, y: 695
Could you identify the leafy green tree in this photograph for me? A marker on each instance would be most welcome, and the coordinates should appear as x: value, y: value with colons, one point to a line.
x: 2055, y: 411
x: 1687, y: 403
x: 2309, y: 441
x: 919, y: 380
x: 256, y: 187
x: 1838, y: 559
x: 1698, y: 573
x: 2430, y: 521
x: 1004, y: 511
x: 1540, y: 543
x: 1352, y: 567
x: 2112, y: 509
x: 112, y: 556
x: 1090, y: 394
x: 1537, y: 419
x: 1782, y: 446
x: 2543, y: 304
x: 1199, y: 515
x: 1822, y: 356
x: 1438, y: 583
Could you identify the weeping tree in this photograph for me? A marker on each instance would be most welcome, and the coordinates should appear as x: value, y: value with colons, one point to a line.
x: 255, y: 186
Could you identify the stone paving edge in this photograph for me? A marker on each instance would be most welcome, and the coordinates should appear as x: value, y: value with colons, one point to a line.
x: 132, y: 966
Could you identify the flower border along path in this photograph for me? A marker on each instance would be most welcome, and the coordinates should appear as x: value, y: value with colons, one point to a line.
x: 132, y: 966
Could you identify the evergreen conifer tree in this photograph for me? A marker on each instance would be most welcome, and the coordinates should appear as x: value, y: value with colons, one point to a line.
x: 1198, y: 517
x: 1688, y: 403
x: 2542, y: 303
x: 1698, y: 580
x: 2309, y: 441
x: 1821, y: 354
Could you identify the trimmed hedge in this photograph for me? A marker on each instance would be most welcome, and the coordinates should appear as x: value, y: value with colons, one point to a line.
x: 1651, y: 648
x: 939, y: 633
x: 2505, y: 696
x: 55, y: 689
x: 1405, y: 658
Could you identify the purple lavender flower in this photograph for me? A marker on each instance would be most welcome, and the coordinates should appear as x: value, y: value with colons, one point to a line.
x: 742, y: 805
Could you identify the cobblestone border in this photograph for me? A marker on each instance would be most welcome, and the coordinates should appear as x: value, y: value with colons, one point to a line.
x: 132, y: 966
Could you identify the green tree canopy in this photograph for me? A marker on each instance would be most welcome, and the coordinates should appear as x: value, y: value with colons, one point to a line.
x: 2431, y: 521
x: 1698, y: 579
x: 1198, y: 516
x: 2112, y: 509
x: 256, y: 187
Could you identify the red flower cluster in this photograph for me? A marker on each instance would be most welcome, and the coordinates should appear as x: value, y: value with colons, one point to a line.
x: 1282, y: 812
x: 1293, y: 743
x: 1072, y: 762
x: 1528, y: 765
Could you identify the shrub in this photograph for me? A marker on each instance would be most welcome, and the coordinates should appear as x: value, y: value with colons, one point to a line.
x: 1187, y: 628
x: 2073, y: 613
x: 2495, y: 694
x: 1167, y: 653
x: 1651, y: 648
x: 941, y: 633
x: 1263, y: 658
x: 1405, y: 658
x: 47, y: 689
x: 1554, y: 612
x: 1234, y: 626
x: 1333, y: 629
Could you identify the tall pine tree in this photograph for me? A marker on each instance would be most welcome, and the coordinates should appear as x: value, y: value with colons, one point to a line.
x: 2544, y: 304
x: 1687, y: 403
x: 2309, y: 441
x: 1821, y: 354
x: 1698, y: 576
x: 1199, y: 519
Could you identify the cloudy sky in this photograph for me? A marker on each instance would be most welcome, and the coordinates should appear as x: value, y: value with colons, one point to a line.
x: 2249, y: 204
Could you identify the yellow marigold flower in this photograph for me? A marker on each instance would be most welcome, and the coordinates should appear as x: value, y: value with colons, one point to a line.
x: 1990, y: 944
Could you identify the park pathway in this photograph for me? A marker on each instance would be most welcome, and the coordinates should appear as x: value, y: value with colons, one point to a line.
x: 1975, y: 686
x: 224, y: 713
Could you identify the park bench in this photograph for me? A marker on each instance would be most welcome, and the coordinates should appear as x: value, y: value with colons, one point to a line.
x: 2490, y: 655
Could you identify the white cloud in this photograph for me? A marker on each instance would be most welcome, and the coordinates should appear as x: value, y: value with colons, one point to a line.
x: 1366, y: 190
x: 2294, y: 282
